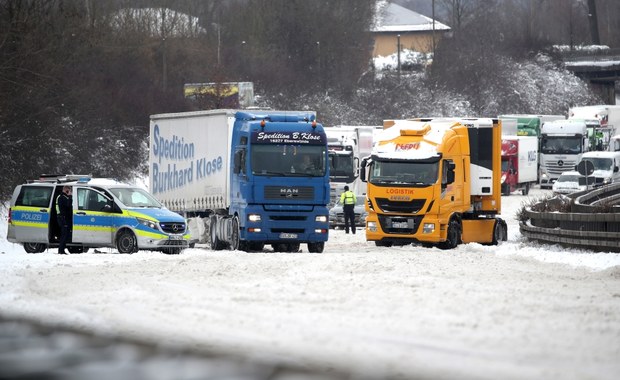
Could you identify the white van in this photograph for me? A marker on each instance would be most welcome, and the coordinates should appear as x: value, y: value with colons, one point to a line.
x: 106, y: 213
x: 606, y: 166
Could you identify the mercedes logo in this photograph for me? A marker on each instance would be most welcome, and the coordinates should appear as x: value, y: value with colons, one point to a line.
x: 560, y: 163
x: 175, y: 227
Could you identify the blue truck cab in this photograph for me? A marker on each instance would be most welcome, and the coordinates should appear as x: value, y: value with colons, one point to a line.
x: 279, y: 182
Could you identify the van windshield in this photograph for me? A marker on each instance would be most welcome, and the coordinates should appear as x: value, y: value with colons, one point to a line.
x: 135, y: 197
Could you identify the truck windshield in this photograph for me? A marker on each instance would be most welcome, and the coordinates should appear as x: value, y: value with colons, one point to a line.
x: 341, y: 167
x: 288, y: 160
x: 404, y: 173
x: 561, y: 145
x: 600, y: 163
x: 135, y: 197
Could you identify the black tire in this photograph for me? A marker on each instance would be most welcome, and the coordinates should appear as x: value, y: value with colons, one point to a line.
x: 34, y: 247
x: 316, y: 247
x: 234, y: 235
x: 526, y: 189
x: 216, y: 244
x: 453, y: 238
x: 126, y: 242
x: 256, y: 246
x: 279, y: 247
x: 77, y: 249
x: 500, y: 232
x: 382, y: 243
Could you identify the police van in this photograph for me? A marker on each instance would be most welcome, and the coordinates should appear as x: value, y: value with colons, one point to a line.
x: 106, y: 213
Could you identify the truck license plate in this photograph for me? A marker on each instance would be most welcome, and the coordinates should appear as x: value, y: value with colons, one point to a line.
x: 400, y: 224
x: 175, y: 237
x: 285, y: 235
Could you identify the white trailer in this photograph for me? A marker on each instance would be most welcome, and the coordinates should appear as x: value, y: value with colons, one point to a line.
x: 519, y: 163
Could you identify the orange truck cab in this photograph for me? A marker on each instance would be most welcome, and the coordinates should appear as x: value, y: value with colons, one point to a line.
x: 435, y: 182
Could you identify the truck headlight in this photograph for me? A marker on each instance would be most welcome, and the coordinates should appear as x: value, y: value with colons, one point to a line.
x: 372, y: 226
x: 428, y: 228
x: 254, y: 218
x: 148, y: 223
x: 321, y: 218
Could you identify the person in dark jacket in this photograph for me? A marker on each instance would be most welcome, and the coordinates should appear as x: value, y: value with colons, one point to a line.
x: 64, y: 215
x: 347, y: 200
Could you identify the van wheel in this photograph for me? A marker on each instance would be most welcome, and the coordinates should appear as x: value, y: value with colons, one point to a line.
x: 316, y: 247
x: 34, y: 247
x: 126, y: 242
x: 77, y: 249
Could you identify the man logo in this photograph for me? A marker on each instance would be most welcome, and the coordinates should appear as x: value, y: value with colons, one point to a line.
x: 289, y: 192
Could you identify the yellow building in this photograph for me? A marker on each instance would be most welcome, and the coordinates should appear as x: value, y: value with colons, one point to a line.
x: 415, y: 31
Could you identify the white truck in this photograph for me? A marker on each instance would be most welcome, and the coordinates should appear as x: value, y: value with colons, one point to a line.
x: 244, y: 179
x: 603, y: 123
x: 347, y: 146
x: 562, y: 143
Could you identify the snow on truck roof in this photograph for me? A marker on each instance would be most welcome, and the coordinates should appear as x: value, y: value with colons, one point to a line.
x: 246, y: 114
x: 433, y: 131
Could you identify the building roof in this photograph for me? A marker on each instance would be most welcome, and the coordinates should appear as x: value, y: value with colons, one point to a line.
x: 394, y: 18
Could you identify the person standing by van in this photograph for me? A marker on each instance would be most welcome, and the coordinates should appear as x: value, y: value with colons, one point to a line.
x: 348, y: 200
x: 64, y: 215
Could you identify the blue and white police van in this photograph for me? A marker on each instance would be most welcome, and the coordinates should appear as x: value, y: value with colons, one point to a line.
x: 106, y: 213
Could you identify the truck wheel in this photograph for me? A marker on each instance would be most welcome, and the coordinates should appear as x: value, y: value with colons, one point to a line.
x: 500, y: 232
x: 256, y: 246
x: 234, y: 234
x: 294, y: 247
x: 279, y: 247
x: 216, y: 244
x: 34, y: 247
x: 316, y: 247
x: 126, y: 242
x: 453, y: 238
x: 381, y: 243
x: 526, y: 189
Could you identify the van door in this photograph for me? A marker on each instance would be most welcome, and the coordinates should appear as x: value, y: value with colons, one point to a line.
x: 30, y: 215
x: 93, y: 222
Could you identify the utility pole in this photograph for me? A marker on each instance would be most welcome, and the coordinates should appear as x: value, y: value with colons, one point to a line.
x: 398, y: 55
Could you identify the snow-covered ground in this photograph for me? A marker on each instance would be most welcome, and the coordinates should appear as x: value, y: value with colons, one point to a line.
x: 515, y: 311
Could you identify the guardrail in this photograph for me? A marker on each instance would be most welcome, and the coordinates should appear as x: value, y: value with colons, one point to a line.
x: 584, y: 226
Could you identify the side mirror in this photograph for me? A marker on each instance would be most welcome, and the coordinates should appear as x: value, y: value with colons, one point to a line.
x: 356, y: 162
x: 616, y: 169
x: 237, y: 162
x: 363, y: 170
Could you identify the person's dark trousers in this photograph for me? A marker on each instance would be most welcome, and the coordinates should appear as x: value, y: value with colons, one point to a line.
x: 65, y: 233
x: 349, y: 217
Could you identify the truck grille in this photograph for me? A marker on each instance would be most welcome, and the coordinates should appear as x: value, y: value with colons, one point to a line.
x: 289, y: 192
x: 411, y: 207
x: 173, y: 228
x: 558, y: 167
x: 396, y: 224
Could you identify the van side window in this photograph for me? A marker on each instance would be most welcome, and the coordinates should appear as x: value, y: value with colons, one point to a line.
x: 34, y: 196
x: 90, y: 200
